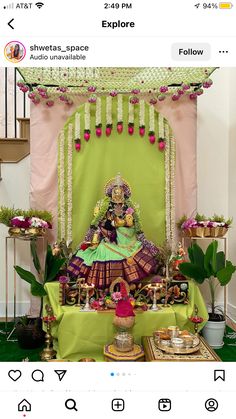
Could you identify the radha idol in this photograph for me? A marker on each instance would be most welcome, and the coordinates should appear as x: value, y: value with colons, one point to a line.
x: 115, y: 245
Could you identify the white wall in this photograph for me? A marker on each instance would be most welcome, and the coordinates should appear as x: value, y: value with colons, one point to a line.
x: 216, y: 163
x: 232, y: 190
x: 14, y: 191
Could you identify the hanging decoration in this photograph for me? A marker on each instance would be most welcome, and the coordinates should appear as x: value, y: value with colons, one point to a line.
x: 156, y: 121
x: 161, y: 138
x: 98, y: 117
x: 69, y: 182
x: 142, y: 118
x: 169, y: 183
x: 46, y: 85
x: 61, y: 187
x: 108, y: 115
x: 151, y: 133
x: 87, y: 121
x: 131, y: 118
x: 73, y: 131
x: 119, y: 114
x: 77, y: 139
x: 134, y: 99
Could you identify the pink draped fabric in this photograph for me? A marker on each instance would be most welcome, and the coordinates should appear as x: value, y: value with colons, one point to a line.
x: 182, y: 117
x: 47, y: 123
x: 45, y: 126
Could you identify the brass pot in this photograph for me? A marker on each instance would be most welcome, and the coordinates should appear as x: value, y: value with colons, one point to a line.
x: 36, y: 231
x: 124, y: 322
x: 15, y: 231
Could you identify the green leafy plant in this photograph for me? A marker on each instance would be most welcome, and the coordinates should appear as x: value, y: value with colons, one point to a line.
x: 210, y: 266
x: 6, y: 214
x: 200, y: 217
x: 53, y: 264
x: 181, y: 221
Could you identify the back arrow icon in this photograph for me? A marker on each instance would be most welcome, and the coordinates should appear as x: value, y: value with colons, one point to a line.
x: 9, y: 23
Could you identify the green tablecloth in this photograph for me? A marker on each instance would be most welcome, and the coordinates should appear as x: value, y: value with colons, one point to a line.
x: 79, y: 334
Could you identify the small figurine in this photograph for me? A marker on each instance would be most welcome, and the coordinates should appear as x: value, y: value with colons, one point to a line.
x: 179, y: 258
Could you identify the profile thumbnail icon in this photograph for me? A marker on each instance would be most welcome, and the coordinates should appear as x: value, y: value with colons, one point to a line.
x: 14, y: 51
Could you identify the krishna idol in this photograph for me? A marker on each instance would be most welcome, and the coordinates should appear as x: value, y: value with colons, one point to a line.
x: 115, y: 245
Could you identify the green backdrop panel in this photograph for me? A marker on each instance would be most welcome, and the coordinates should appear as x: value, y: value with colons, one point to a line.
x: 100, y: 159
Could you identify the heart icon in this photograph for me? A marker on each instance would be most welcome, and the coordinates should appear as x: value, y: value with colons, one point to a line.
x: 14, y: 374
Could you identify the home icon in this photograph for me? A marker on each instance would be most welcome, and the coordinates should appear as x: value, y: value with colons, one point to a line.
x: 24, y: 406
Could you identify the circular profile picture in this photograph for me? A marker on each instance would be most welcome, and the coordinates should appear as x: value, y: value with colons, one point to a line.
x: 14, y: 51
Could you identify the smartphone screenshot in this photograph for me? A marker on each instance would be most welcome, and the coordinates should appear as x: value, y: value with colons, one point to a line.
x: 117, y: 209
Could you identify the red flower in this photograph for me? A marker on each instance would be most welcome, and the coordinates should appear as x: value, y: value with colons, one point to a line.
x: 48, y: 319
x: 84, y: 246
x: 196, y: 319
x: 95, y: 305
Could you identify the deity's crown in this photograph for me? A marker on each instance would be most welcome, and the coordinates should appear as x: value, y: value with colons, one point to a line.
x: 117, y: 181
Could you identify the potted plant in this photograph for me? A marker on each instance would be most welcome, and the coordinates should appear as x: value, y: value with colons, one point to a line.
x: 25, y: 223
x: 212, y: 267
x: 202, y: 226
x: 29, y: 329
x: 29, y: 332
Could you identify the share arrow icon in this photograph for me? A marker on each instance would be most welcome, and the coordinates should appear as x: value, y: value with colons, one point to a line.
x: 61, y: 374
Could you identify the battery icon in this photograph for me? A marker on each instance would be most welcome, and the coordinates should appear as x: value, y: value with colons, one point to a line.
x: 225, y: 5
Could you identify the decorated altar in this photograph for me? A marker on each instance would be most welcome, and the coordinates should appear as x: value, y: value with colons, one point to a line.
x: 80, y: 334
x: 107, y: 132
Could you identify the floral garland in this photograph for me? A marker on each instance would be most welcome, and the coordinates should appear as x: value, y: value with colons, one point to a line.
x: 104, y: 204
x: 172, y: 184
x: 99, y: 117
x: 69, y: 183
x: 167, y: 186
x: 77, y: 139
x: 108, y: 115
x: 169, y: 183
x: 131, y: 118
x: 161, y: 137
x: 136, y: 215
x: 119, y: 114
x: 151, y: 134
x: 87, y: 121
x: 142, y: 118
x: 61, y: 218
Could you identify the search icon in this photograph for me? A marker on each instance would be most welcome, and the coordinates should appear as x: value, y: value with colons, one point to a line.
x: 71, y: 404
